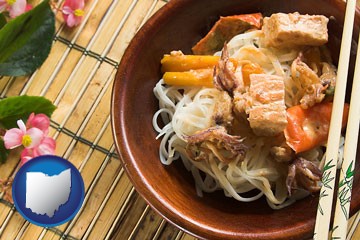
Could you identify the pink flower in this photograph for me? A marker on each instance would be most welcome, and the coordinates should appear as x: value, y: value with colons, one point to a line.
x: 28, y: 7
x: 29, y: 138
x: 40, y: 121
x: 14, y: 7
x: 33, y: 136
x: 46, y: 147
x: 73, y: 11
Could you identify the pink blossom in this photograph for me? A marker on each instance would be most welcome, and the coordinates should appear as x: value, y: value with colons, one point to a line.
x: 28, y: 7
x: 40, y: 121
x: 46, y: 147
x: 14, y: 7
x: 73, y: 11
x: 33, y: 136
x: 21, y: 136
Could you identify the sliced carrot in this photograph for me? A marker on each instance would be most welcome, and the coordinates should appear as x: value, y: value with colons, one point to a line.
x: 309, y: 128
x: 199, y: 77
x: 250, y: 68
x: 180, y: 63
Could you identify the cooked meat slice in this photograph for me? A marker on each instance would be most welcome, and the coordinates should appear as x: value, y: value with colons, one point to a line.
x: 217, y: 141
x: 266, y: 89
x: 225, y: 29
x: 267, y: 120
x: 267, y: 111
x: 294, y: 29
x: 303, y: 174
x: 223, y: 110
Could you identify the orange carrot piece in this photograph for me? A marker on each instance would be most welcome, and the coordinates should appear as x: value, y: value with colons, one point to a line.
x: 200, y: 77
x: 309, y: 128
x: 250, y: 68
x: 180, y: 63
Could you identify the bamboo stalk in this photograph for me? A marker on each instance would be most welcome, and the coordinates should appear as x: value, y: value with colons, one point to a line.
x: 329, y: 173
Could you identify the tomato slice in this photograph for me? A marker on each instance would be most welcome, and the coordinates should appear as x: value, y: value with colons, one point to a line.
x: 309, y: 128
x: 225, y: 29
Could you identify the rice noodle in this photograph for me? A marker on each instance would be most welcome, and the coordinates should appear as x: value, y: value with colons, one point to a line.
x: 185, y: 110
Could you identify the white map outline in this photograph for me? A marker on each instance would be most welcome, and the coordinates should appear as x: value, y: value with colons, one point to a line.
x: 45, y: 194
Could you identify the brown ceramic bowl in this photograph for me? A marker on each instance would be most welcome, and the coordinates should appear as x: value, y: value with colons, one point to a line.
x: 170, y: 189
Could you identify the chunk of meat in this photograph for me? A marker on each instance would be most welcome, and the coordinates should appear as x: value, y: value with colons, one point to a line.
x: 223, y: 110
x: 217, y: 141
x: 225, y: 29
x: 267, y: 111
x: 293, y: 29
x: 303, y: 174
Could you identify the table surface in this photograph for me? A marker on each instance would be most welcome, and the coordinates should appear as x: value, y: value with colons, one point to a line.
x: 77, y: 77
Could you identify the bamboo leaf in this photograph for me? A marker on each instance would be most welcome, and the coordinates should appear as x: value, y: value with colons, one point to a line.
x: 349, y: 171
x: 341, y: 183
x: 328, y: 166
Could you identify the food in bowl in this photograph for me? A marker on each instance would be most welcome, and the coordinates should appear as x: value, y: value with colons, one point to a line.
x: 250, y: 110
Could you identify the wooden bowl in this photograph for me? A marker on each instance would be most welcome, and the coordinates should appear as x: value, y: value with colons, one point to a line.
x: 170, y: 189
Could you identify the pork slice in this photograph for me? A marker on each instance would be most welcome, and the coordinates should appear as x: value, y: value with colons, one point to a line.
x: 267, y: 111
x: 266, y: 89
x: 294, y: 29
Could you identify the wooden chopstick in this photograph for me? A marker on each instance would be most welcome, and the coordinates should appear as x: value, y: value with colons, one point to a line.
x: 347, y: 169
x: 322, y: 223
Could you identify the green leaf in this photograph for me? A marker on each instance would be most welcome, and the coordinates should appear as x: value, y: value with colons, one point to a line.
x: 3, y: 152
x: 20, y: 107
x: 349, y: 171
x: 2, y: 20
x: 25, y: 41
x: 328, y: 165
x: 341, y: 183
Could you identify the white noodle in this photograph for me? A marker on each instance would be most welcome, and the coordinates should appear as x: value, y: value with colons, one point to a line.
x: 186, y: 110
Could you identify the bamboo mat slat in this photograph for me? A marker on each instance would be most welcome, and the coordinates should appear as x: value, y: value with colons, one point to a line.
x: 131, y: 217
x: 110, y: 209
x: 77, y: 77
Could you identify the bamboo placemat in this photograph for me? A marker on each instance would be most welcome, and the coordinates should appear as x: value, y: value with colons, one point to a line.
x: 77, y: 77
